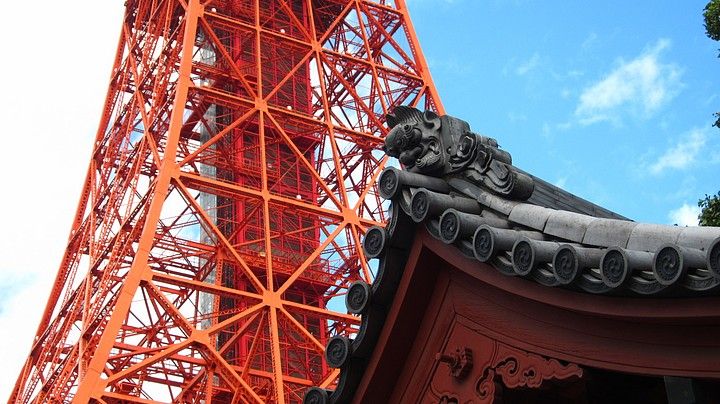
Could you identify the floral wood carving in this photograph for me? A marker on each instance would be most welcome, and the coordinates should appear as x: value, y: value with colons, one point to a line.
x: 496, y: 367
x: 448, y: 399
x: 513, y: 368
x: 460, y: 362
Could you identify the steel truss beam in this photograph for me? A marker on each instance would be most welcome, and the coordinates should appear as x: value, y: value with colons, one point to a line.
x: 230, y: 183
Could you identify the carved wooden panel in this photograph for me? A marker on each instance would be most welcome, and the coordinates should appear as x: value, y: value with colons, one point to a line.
x: 494, y: 367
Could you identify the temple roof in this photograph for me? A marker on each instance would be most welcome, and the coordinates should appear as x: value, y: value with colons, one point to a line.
x: 597, y: 253
x: 463, y: 190
x: 550, y: 196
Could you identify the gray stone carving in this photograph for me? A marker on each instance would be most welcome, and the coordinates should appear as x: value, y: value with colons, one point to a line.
x: 439, y: 146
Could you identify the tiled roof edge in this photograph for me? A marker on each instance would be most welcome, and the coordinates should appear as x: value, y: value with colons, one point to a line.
x: 391, y: 245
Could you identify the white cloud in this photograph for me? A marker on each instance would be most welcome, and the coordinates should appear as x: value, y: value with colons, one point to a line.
x: 433, y: 2
x: 686, y: 215
x: 563, y: 126
x: 528, y: 65
x: 681, y: 155
x: 640, y: 87
x: 589, y: 41
x: 451, y: 64
x: 49, y: 110
x: 548, y: 130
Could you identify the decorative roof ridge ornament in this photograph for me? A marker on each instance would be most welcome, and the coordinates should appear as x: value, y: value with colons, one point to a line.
x: 443, y: 146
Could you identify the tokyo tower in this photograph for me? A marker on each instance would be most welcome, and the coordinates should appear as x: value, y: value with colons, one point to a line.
x: 230, y: 184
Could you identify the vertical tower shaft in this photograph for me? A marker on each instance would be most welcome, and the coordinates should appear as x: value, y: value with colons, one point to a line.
x: 229, y: 186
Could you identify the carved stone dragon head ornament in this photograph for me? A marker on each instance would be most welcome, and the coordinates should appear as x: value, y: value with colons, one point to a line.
x: 414, y: 139
x: 440, y: 146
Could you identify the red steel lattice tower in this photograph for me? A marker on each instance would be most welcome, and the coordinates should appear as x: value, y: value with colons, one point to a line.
x: 229, y: 187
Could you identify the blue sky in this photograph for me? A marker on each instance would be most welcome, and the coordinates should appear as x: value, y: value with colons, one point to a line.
x: 611, y: 100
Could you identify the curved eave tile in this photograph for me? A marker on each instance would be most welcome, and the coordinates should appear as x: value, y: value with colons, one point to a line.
x: 391, y: 245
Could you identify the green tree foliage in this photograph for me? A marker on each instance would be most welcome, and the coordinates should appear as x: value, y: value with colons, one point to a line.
x: 712, y: 30
x: 710, y: 214
x: 712, y: 19
x: 710, y: 205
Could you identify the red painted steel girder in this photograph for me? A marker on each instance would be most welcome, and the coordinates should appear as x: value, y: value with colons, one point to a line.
x: 230, y: 184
